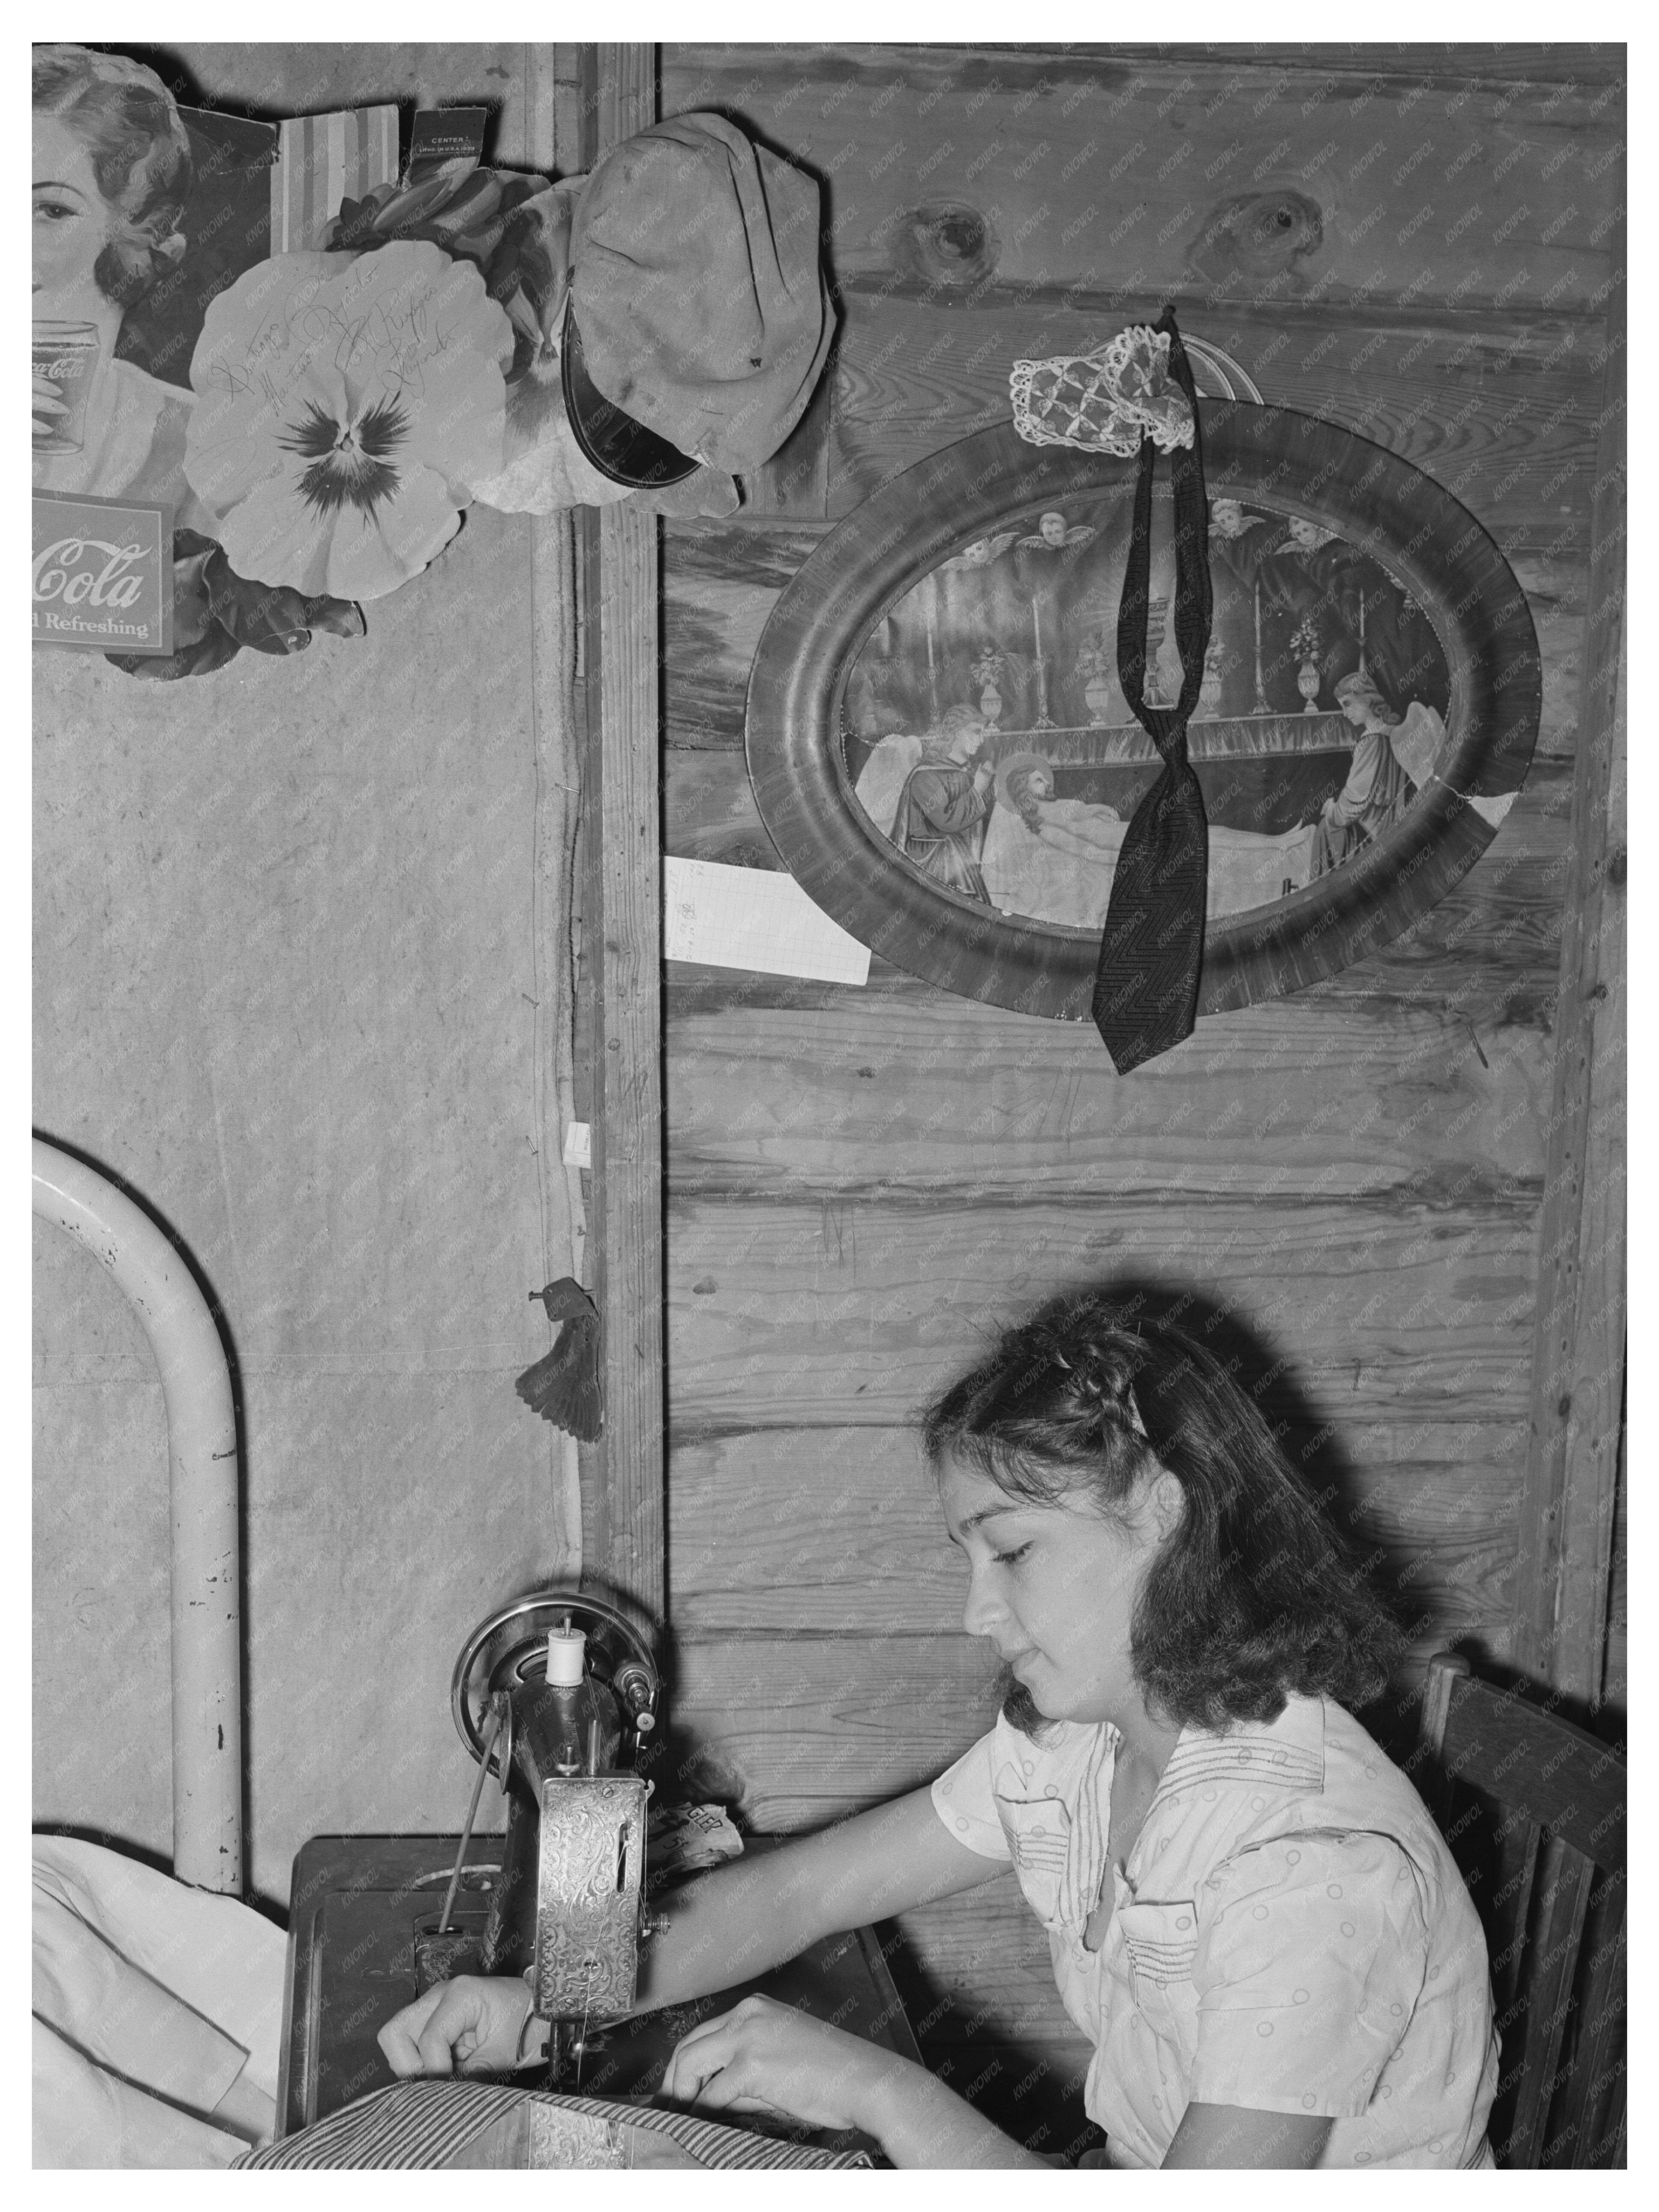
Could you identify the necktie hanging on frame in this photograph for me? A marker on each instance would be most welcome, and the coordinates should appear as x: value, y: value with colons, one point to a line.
x: 1145, y: 993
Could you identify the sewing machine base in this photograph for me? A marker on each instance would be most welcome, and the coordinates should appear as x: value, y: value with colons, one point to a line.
x: 362, y: 1942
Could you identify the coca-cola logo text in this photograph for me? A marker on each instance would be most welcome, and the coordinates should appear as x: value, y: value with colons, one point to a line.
x: 65, y: 365
x: 74, y: 569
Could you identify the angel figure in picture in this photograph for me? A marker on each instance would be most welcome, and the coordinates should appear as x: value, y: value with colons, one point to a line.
x: 1394, y: 756
x: 929, y: 795
x: 1229, y: 521
x: 982, y: 551
x: 1055, y: 535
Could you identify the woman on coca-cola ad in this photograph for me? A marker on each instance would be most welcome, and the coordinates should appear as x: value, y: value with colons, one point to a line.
x: 111, y: 174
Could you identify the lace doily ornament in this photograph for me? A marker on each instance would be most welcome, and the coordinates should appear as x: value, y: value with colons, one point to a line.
x: 1108, y: 401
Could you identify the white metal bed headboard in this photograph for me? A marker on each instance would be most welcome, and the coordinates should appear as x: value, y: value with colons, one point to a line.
x: 203, y: 1481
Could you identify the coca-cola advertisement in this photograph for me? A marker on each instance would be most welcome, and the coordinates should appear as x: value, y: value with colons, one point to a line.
x: 144, y: 212
x: 102, y: 575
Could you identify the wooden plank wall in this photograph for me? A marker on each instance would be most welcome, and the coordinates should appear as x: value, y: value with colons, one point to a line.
x: 1420, y: 244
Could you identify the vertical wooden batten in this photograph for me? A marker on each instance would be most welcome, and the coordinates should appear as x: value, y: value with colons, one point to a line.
x: 1578, y: 1334
x: 623, y: 926
x: 550, y: 140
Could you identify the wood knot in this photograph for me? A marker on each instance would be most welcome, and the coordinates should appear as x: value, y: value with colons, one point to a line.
x: 1257, y: 234
x: 949, y: 247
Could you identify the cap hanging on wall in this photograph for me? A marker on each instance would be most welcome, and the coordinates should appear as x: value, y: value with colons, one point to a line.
x: 618, y: 446
x: 698, y: 323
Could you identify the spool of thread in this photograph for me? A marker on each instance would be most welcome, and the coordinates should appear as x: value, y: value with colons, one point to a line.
x: 567, y: 1651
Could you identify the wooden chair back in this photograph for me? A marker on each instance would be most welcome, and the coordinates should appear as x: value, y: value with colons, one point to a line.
x: 1534, y: 1811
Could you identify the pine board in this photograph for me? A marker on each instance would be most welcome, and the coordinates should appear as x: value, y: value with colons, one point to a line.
x: 1100, y: 170
x: 783, y: 1315
x: 842, y: 1531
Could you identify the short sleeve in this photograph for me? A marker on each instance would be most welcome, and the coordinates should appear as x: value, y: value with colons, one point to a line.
x: 1312, y: 1954
x: 965, y: 1801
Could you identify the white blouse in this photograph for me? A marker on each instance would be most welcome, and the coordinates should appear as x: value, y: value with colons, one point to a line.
x: 1289, y: 1933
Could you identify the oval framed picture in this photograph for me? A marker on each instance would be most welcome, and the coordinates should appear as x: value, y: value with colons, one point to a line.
x: 944, y: 756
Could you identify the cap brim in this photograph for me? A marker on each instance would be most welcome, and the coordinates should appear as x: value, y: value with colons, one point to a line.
x: 618, y: 446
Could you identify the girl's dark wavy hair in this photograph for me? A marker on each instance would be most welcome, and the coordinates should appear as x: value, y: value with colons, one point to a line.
x: 1253, y: 1597
x: 126, y: 118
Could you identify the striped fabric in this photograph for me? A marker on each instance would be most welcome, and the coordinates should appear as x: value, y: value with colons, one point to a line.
x: 423, y: 2125
x: 322, y: 160
x: 1244, y: 1753
x: 1162, y: 1941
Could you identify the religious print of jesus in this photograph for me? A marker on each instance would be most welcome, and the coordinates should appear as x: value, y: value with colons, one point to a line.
x: 990, y: 694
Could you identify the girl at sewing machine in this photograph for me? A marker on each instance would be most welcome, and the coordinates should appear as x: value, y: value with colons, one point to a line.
x: 1249, y: 1912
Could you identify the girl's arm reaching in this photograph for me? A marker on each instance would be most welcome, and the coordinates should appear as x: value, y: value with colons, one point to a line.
x: 725, y: 1926
x: 745, y: 1918
x: 768, y: 2057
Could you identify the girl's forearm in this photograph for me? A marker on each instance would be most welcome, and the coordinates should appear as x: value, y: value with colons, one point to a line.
x: 729, y: 1926
x: 723, y: 1929
x: 919, y: 2122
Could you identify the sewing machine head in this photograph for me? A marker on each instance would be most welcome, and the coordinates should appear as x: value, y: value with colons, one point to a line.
x: 555, y: 1694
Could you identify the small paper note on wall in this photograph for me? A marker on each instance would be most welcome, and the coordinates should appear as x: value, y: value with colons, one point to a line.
x: 752, y: 918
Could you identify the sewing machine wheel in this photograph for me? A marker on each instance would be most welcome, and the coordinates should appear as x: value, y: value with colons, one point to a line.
x: 510, y: 1646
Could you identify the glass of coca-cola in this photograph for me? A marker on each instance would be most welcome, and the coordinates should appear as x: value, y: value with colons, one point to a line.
x: 66, y: 361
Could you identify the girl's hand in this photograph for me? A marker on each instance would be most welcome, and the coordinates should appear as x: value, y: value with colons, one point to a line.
x: 45, y: 405
x: 470, y: 2026
x: 764, y: 2057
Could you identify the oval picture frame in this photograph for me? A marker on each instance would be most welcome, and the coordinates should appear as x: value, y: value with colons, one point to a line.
x: 1381, y: 505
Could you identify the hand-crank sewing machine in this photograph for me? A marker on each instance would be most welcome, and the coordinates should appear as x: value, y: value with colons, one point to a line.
x: 555, y: 1695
